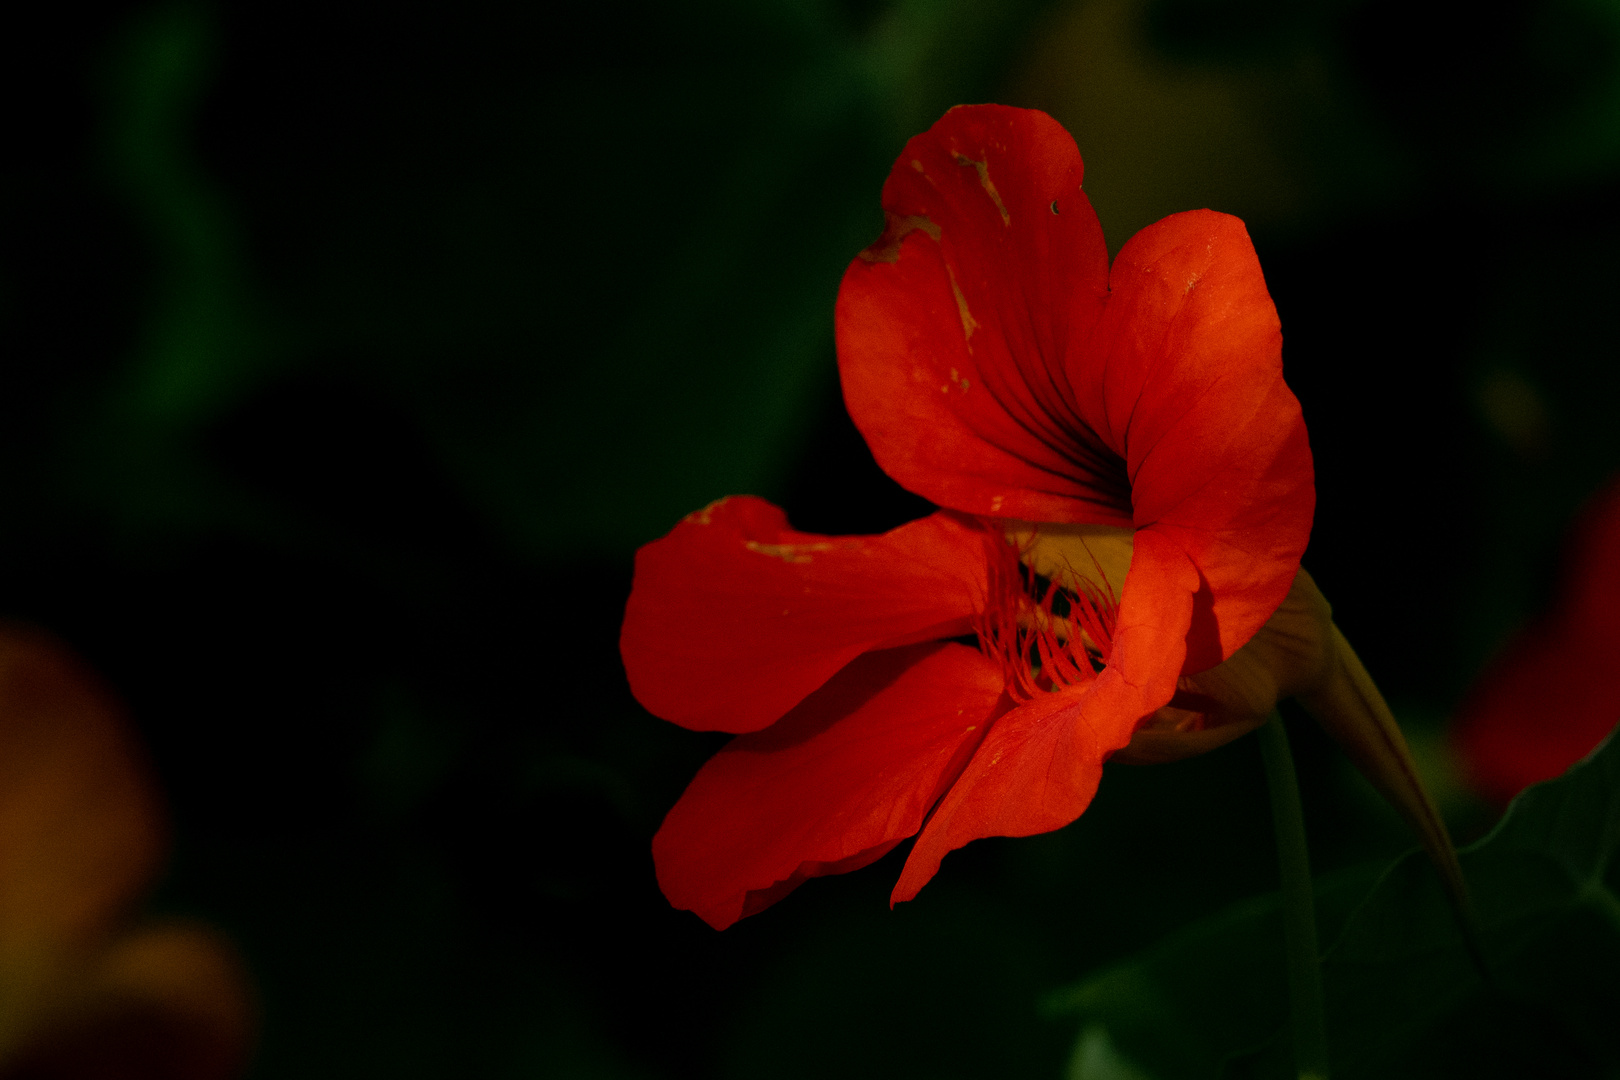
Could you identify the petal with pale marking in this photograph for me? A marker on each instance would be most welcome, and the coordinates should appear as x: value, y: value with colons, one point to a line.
x: 952, y: 327
x: 733, y: 617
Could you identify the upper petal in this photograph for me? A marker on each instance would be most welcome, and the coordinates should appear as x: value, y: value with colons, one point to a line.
x: 1183, y: 375
x: 952, y: 327
x: 833, y: 785
x: 1040, y: 765
x: 996, y: 366
x: 733, y: 617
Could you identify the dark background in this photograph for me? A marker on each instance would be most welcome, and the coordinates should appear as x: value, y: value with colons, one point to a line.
x: 350, y: 351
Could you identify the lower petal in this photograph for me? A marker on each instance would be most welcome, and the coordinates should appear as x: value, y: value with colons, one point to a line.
x: 831, y: 786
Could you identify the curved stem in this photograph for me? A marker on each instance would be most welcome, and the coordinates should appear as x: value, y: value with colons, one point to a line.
x: 1307, y: 1016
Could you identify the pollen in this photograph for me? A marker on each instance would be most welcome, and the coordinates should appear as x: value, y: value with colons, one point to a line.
x: 790, y: 553
x: 969, y: 323
x: 983, y: 169
x: 705, y: 516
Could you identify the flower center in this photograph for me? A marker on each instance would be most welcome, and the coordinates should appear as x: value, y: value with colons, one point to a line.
x: 1054, y: 596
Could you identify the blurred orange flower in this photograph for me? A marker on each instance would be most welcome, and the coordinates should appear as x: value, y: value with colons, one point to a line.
x: 85, y: 990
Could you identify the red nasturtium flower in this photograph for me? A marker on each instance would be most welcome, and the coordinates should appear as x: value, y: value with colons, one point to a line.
x: 1548, y: 699
x: 1126, y: 488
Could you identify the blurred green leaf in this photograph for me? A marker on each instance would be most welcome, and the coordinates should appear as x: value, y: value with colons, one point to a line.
x: 1212, y: 993
x: 601, y: 288
x: 1095, y: 1058
x: 1403, y: 996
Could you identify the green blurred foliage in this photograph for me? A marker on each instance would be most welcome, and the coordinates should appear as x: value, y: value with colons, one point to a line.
x: 1404, y: 996
x: 601, y: 285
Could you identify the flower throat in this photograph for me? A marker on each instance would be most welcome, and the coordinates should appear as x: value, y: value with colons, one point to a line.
x: 1046, y: 637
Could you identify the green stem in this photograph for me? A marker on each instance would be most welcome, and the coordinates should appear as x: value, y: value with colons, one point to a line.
x: 1308, y: 1020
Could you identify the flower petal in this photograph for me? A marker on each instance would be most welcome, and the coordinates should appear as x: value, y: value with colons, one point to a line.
x: 1184, y: 376
x: 1039, y: 766
x: 832, y: 786
x: 952, y: 327
x: 734, y: 617
x: 1547, y: 700
x: 1544, y: 706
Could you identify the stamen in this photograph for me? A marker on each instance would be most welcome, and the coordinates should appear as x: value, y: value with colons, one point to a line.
x: 1044, y: 636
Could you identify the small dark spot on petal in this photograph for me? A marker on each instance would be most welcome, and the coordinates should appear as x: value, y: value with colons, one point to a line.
x: 1054, y: 206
